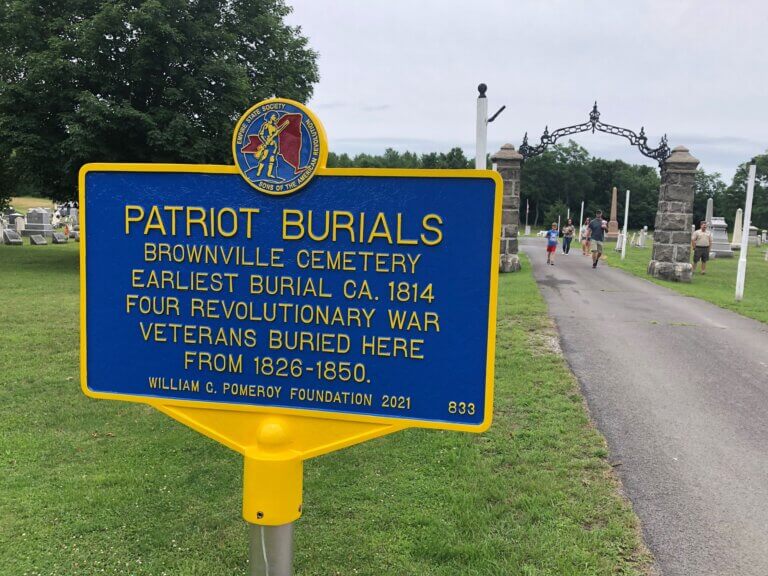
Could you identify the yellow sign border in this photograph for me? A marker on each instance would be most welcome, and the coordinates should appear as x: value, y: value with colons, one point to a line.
x: 310, y: 413
x: 322, y: 155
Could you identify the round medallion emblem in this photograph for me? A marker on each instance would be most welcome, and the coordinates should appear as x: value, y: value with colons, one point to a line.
x: 278, y: 146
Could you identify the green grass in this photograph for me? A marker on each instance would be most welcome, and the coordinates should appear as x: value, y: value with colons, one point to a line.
x: 718, y: 286
x: 23, y: 203
x: 93, y: 487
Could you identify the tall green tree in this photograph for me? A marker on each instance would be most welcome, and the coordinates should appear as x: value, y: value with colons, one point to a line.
x: 706, y: 186
x: 574, y: 172
x: 136, y: 81
x: 735, y: 195
x: 566, y: 173
x: 557, y: 212
x: 643, y: 183
x: 539, y: 181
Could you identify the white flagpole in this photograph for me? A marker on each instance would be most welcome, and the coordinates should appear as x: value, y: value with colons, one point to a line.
x: 742, y: 268
x: 481, y: 135
x: 626, y: 219
x: 581, y: 220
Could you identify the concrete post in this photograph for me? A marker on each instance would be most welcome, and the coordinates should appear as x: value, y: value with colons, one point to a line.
x: 672, y: 234
x: 508, y: 162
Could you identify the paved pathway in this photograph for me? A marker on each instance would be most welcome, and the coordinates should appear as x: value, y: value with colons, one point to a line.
x: 679, y: 388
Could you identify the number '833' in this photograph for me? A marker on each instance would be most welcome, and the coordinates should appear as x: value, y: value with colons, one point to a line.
x: 462, y: 408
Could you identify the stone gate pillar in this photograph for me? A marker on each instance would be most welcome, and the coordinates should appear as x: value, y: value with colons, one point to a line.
x: 508, y: 162
x: 672, y: 231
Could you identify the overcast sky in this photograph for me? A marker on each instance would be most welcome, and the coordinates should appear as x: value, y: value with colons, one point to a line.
x: 404, y: 74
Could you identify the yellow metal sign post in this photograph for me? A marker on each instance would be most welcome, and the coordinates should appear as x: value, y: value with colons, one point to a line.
x: 274, y: 449
x: 287, y: 310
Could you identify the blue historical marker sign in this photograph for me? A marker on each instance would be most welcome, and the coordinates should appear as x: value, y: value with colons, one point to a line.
x: 365, y: 295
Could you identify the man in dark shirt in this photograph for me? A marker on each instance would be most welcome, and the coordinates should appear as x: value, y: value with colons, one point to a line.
x: 596, y: 234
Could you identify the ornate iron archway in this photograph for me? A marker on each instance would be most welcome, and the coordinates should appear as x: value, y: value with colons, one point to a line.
x: 660, y: 154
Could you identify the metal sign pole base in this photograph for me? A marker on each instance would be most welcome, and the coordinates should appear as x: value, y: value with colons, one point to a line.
x: 271, y: 550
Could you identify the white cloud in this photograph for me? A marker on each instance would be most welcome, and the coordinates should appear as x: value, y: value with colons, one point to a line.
x: 395, y: 72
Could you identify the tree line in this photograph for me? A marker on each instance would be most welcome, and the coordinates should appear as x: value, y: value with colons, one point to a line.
x: 452, y: 160
x: 566, y: 174
x: 728, y: 199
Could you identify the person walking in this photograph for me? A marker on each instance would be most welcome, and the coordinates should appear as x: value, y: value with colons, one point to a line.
x: 584, y: 237
x: 701, y: 243
x: 552, y: 236
x: 568, y: 231
x: 596, y: 235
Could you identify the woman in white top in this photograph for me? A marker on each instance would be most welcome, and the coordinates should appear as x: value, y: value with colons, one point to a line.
x: 584, y: 239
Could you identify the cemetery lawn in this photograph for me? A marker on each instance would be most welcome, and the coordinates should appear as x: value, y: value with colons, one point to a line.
x: 98, y: 487
x: 717, y: 286
x: 24, y: 203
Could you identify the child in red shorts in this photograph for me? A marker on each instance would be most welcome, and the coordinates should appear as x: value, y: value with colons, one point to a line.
x: 552, y: 236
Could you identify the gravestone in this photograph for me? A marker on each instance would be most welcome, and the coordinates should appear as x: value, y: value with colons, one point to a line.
x: 754, y: 238
x: 38, y: 222
x: 721, y: 245
x: 710, y: 211
x: 37, y: 240
x: 643, y: 237
x: 508, y: 162
x: 736, y: 239
x: 59, y: 238
x: 613, y: 223
x: 16, y: 222
x: 11, y: 237
x: 12, y: 217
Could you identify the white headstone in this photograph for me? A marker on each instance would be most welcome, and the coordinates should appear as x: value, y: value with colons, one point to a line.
x: 643, y: 236
x: 736, y: 240
x: 721, y: 245
x: 710, y: 212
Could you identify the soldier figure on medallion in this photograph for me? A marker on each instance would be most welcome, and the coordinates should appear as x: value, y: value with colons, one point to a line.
x: 267, y: 153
